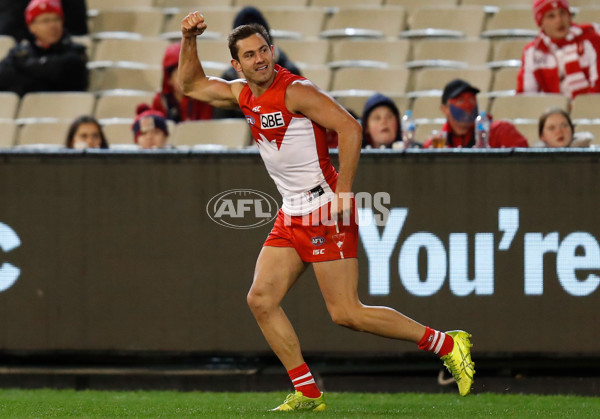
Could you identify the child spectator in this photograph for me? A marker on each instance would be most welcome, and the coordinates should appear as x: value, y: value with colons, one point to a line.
x: 563, y: 58
x: 150, y: 129
x: 381, y: 122
x: 85, y: 132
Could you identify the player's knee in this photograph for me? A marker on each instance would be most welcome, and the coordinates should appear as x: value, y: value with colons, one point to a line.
x: 344, y: 318
x: 258, y: 303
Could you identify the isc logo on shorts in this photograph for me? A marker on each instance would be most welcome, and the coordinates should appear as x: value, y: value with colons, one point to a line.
x: 271, y: 120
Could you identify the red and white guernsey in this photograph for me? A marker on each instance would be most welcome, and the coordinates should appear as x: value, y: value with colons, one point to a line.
x: 293, y: 147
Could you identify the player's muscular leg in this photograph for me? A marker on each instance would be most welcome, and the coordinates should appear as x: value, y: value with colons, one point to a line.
x: 277, y: 268
x: 338, y: 281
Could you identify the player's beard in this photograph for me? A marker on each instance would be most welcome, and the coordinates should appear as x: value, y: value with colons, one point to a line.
x: 262, y: 78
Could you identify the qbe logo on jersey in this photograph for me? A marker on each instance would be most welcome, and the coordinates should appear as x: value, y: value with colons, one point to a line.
x: 272, y: 120
x: 242, y: 208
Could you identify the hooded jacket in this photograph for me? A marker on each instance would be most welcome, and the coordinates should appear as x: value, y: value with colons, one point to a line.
x: 187, y: 109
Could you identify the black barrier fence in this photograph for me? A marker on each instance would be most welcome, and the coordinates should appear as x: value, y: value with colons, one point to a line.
x: 154, y: 251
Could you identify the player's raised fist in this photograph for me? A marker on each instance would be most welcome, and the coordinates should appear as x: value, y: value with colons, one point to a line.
x: 193, y: 25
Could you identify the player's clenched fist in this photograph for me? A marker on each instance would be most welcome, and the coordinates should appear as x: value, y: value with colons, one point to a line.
x: 193, y: 25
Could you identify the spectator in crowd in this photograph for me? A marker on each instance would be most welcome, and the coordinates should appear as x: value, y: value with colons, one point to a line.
x: 12, y: 23
x: 563, y: 58
x: 381, y: 124
x: 150, y: 129
x: 52, y: 62
x: 459, y: 105
x: 85, y: 132
x: 170, y: 100
x: 246, y: 16
x: 555, y: 129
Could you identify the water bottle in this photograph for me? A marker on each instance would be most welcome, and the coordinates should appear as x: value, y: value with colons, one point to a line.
x: 482, y: 130
x: 408, y: 129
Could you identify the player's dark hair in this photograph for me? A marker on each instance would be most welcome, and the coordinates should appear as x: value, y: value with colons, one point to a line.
x: 243, y: 32
x: 553, y: 111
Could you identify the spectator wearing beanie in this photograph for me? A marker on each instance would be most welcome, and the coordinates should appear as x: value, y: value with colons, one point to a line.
x: 150, y: 129
x: 247, y: 16
x: 563, y: 58
x: 459, y: 106
x: 381, y: 123
x: 13, y: 24
x: 170, y: 100
x: 51, y: 62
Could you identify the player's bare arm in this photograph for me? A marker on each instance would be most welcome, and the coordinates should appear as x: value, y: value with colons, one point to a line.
x: 307, y: 99
x: 194, y: 82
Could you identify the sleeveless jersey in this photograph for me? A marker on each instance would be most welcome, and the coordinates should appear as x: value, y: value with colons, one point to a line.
x: 293, y: 147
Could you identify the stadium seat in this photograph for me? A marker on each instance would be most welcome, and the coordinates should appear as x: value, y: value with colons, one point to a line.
x: 447, y: 22
x: 118, y: 4
x: 364, y: 21
x: 427, y: 107
x: 8, y: 129
x: 214, y: 50
x: 588, y: 14
x: 353, y: 52
x: 194, y: 4
x: 144, y: 50
x: 507, y: 52
x: 86, y: 41
x: 410, y: 6
x: 125, y: 76
x: 43, y: 132
x: 529, y: 129
x: 497, y: 3
x: 120, y: 103
x: 219, y: 21
x: 354, y: 100
x: 6, y: 43
x: 594, y: 128
x: 9, y: 103
x: 449, y: 53
x: 231, y: 133
x: 146, y: 22
x: 581, y: 3
x: 392, y: 80
x: 511, y: 22
x: 295, y: 22
x: 304, y: 51
x: 586, y: 107
x: 505, y: 80
x: 60, y: 105
x: 118, y: 131
x: 263, y: 4
x: 436, y: 78
x: 318, y: 74
x: 527, y: 106
x: 345, y: 3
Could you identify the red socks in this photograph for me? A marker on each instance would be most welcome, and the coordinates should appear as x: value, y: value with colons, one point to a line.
x: 439, y: 343
x: 303, y: 381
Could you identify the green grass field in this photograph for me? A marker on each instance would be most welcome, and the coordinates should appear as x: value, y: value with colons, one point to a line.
x: 170, y: 404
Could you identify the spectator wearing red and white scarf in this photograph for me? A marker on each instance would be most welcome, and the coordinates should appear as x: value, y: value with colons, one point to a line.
x: 564, y: 57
